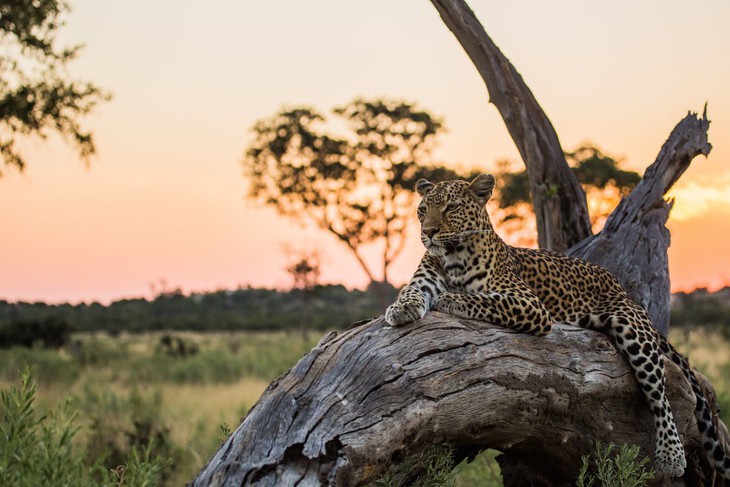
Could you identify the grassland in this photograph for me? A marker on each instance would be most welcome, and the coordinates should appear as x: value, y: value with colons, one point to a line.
x: 183, y: 391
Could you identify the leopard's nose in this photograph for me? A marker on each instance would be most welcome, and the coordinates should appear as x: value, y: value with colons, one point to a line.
x: 430, y: 232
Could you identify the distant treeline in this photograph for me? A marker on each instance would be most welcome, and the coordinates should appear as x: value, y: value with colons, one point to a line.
x: 702, y: 308
x: 324, y: 307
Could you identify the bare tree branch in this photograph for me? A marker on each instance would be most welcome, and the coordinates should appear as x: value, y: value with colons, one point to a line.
x: 633, y: 244
x: 558, y: 199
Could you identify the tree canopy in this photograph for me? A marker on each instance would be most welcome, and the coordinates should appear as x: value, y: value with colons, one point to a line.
x: 352, y: 173
x: 37, y: 94
x: 600, y: 175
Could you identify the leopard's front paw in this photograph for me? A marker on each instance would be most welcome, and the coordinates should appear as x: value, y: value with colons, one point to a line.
x: 400, y: 313
x: 451, y: 303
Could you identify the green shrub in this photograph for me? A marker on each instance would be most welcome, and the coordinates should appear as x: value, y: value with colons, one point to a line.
x: 722, y: 391
x: 37, y: 448
x: 609, y: 470
x: 48, y: 366
x: 433, y: 467
x: 99, y: 351
x: 49, y: 332
x: 483, y: 471
x: 128, y: 426
x: 142, y: 470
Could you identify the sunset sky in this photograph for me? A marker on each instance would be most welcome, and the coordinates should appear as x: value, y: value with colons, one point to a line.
x: 165, y: 198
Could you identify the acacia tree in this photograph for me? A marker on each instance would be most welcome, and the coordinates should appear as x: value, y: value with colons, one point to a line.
x: 599, y: 174
x: 357, y: 185
x: 37, y: 95
x: 305, y: 270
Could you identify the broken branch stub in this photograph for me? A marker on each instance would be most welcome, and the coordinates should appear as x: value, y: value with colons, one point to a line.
x: 634, y: 241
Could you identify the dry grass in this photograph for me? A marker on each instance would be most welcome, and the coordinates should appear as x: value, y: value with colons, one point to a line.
x: 193, y: 407
x: 706, y: 350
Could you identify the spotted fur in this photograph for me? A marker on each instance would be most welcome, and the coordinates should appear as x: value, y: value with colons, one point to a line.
x: 469, y: 271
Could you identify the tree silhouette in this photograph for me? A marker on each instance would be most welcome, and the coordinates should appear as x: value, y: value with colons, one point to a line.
x: 603, y: 181
x: 36, y: 94
x: 352, y: 174
x: 305, y: 271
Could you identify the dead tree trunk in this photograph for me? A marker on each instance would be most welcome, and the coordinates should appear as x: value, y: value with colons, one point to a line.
x: 558, y: 199
x: 372, y: 396
x: 369, y: 397
x: 634, y: 242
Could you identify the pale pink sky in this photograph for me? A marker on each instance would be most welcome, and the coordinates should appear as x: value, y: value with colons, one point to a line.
x: 165, y: 197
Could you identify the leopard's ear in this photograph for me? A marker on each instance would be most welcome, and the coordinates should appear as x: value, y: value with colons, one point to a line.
x: 423, y: 186
x: 482, y: 187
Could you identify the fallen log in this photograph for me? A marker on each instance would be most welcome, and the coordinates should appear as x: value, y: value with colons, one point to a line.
x: 370, y: 397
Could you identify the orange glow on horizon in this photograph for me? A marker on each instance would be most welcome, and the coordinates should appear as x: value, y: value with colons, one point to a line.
x: 165, y: 197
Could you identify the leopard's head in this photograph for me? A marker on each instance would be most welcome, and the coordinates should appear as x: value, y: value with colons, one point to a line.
x: 452, y: 211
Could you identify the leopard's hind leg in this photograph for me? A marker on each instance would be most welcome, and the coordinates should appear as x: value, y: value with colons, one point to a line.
x: 636, y: 339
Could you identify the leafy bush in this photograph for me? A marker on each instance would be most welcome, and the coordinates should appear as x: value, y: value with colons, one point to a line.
x: 433, y: 467
x: 608, y: 470
x: 50, y: 332
x: 483, y: 471
x: 237, y: 310
x: 128, y: 427
x: 176, y: 346
x: 37, y: 448
x: 48, y: 366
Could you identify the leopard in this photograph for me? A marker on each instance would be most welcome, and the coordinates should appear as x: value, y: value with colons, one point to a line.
x: 471, y: 272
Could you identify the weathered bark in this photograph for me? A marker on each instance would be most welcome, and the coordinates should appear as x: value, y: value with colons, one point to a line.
x: 557, y: 197
x: 371, y: 396
x: 633, y: 244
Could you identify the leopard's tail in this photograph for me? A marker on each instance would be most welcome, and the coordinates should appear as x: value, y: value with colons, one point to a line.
x: 714, y: 447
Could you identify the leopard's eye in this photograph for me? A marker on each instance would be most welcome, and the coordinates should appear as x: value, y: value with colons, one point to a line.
x: 421, y: 211
x: 450, y: 207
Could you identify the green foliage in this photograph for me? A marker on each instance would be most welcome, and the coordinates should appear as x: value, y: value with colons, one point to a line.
x: 513, y: 187
x: 176, y: 346
x: 36, y: 93
x: 358, y: 185
x: 591, y: 166
x: 49, y: 366
x: 129, y: 426
x: 251, y: 355
x: 38, y: 448
x: 607, y: 469
x: 483, y: 471
x: 433, y: 467
x: 594, y: 168
x: 599, y: 174
x: 50, y: 332
x: 702, y: 308
x: 35, y: 449
x: 225, y: 431
x: 142, y: 470
x: 241, y: 309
